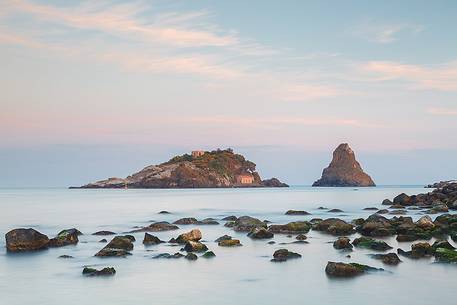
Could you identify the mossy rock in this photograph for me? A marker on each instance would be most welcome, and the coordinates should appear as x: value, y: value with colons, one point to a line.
x: 446, y: 255
x: 370, y: 243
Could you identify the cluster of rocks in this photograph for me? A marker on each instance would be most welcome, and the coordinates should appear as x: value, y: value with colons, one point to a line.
x: 21, y: 239
x: 440, y: 200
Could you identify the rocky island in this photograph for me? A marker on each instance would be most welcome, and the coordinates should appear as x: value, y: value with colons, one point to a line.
x: 344, y: 170
x: 200, y: 169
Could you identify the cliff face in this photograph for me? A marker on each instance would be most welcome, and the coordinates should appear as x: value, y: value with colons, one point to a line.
x: 344, y: 170
x: 219, y: 168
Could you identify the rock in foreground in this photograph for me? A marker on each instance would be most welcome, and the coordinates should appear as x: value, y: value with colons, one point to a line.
x: 283, y: 255
x: 18, y: 240
x: 347, y: 270
x: 344, y: 170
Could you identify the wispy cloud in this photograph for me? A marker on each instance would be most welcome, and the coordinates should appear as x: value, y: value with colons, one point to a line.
x: 435, y: 77
x: 385, y: 33
x: 442, y: 111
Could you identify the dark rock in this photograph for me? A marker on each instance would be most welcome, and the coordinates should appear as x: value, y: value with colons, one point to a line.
x: 209, y: 254
x: 186, y: 221
x: 103, y: 233
x: 18, y: 240
x: 230, y: 218
x: 273, y: 182
x: 208, y: 221
x: 157, y: 227
x: 108, y: 271
x: 342, y: 243
x: 370, y: 243
x: 223, y: 237
x: 442, y: 244
x: 229, y: 243
x: 335, y: 227
x: 297, y: 213
x: 383, y: 211
x: 344, y: 170
x: 376, y: 225
x: 295, y: 227
x: 118, y: 246
x: 387, y: 202
x: 260, y: 233
x: 103, y: 240
x: 151, y: 239
x: 164, y: 212
x: 335, y: 211
x: 247, y: 223
x: 418, y: 250
x: 402, y: 199
x: 443, y: 255
x: 66, y: 256
x: 191, y: 256
x: 168, y: 255
x: 283, y: 255
x: 347, y: 270
x: 301, y: 237
x: 195, y: 246
x: 388, y: 259
x: 65, y: 238
x: 371, y: 209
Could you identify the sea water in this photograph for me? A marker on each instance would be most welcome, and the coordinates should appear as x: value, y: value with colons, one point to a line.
x: 240, y: 275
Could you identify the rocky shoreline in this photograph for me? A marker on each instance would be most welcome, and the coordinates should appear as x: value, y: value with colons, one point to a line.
x: 431, y: 237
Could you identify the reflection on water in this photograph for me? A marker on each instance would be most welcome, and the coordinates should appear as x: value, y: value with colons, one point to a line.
x: 241, y: 275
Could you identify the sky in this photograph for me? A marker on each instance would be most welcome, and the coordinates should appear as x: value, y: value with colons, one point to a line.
x: 94, y: 89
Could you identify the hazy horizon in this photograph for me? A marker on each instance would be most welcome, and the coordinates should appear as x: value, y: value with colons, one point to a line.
x: 98, y: 89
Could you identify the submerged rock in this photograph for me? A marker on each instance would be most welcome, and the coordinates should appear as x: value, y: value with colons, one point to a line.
x: 335, y: 227
x: 19, y: 240
x: 283, y: 255
x: 186, y: 221
x: 344, y: 170
x: 347, y: 270
x: 151, y: 239
x: 65, y: 238
x: 230, y: 243
x: 260, y: 233
x: 209, y: 254
x: 297, y: 213
x: 168, y: 255
x: 418, y: 250
x: 66, y: 256
x: 223, y: 237
x: 388, y: 259
x: 370, y: 243
x: 118, y: 246
x: 107, y: 271
x: 191, y: 256
x: 247, y: 223
x: 335, y: 211
x: 443, y: 255
x: 295, y: 227
x: 103, y: 233
x: 208, y: 221
x: 157, y: 227
x: 342, y: 243
x: 301, y: 237
x: 230, y: 218
x: 195, y: 246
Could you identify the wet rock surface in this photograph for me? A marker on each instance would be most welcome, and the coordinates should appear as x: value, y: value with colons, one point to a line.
x: 19, y: 240
x: 107, y: 271
x: 283, y: 255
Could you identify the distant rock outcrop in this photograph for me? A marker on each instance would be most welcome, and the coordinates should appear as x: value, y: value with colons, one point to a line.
x: 201, y: 169
x: 344, y: 170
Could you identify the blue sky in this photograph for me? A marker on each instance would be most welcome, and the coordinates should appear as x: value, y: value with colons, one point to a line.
x: 96, y: 89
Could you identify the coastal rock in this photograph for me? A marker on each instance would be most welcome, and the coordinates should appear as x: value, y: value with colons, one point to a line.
x: 229, y: 243
x: 297, y: 212
x: 301, y: 237
x: 157, y: 227
x: 103, y: 233
x: 118, y: 246
x: 191, y: 256
x: 425, y: 222
x: 283, y: 255
x: 296, y: 227
x: 342, y: 243
x: 260, y: 233
x: 335, y: 211
x: 186, y: 221
x: 273, y: 182
x: 335, y: 227
x: 247, y: 223
x: 194, y: 235
x: 209, y: 254
x: 443, y: 255
x: 230, y: 218
x: 223, y: 237
x: 18, y: 240
x: 168, y: 255
x: 418, y: 250
x: 388, y: 259
x: 208, y: 221
x: 344, y: 170
x: 347, y: 270
x: 65, y: 238
x: 151, y: 240
x: 370, y: 243
x: 107, y: 271
x: 205, y: 169
x: 65, y: 256
x: 376, y: 225
x: 195, y: 246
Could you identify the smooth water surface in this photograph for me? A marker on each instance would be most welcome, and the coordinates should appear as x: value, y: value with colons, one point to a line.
x: 242, y: 275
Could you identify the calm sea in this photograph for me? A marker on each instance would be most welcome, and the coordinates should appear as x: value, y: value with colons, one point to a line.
x: 242, y: 275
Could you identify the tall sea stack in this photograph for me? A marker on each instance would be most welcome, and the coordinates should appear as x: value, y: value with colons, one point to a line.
x: 344, y: 170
